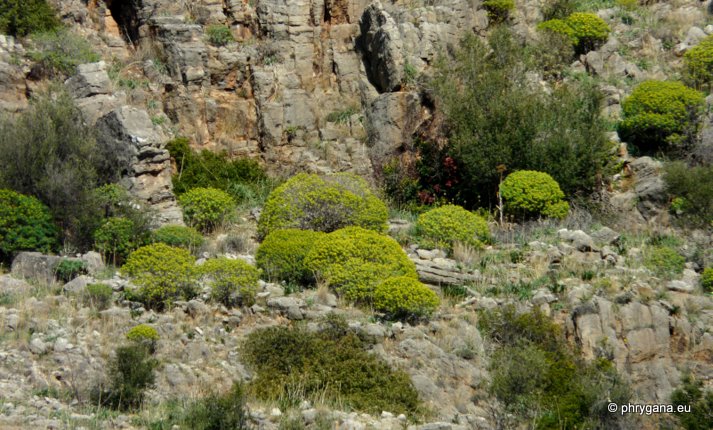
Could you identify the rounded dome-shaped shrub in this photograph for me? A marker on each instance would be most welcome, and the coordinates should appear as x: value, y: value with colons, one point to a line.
x: 529, y: 193
x: 163, y: 274
x: 322, y: 203
x: 590, y: 31
x: 707, y: 279
x: 142, y: 332
x: 281, y: 255
x: 206, y: 208
x: 25, y: 225
x: 115, y: 239
x: 499, y: 10
x: 354, y: 260
x: 664, y: 261
x: 698, y: 63
x: 178, y: 235
x: 443, y: 226
x: 559, y: 26
x: 659, y: 114
x: 234, y: 282
x: 403, y: 297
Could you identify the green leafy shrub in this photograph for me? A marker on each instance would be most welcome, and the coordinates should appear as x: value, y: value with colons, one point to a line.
x: 443, y: 226
x: 25, y: 225
x: 354, y: 260
x: 219, y: 35
x: 692, y: 394
x: 220, y: 411
x: 590, y: 31
x: 162, y: 273
x: 281, y: 255
x: 206, y: 208
x: 707, y: 279
x: 98, y: 296
x: 115, y: 239
x: 292, y: 364
x: 664, y: 261
x: 144, y: 335
x: 234, y: 282
x: 559, y: 26
x: 22, y: 17
x: 528, y: 193
x: 499, y: 10
x: 540, y: 380
x: 698, y: 63
x: 50, y: 153
x: 404, y: 297
x: 58, y: 53
x: 693, y: 187
x: 68, y: 269
x: 661, y: 115
x: 322, y: 203
x: 132, y: 370
x: 179, y: 236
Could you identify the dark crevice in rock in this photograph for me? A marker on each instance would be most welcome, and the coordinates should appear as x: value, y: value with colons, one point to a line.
x: 125, y: 13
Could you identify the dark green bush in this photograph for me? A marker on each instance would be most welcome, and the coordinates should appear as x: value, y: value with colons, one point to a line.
x: 179, y: 236
x: 698, y: 63
x: 589, y: 30
x: 58, y: 53
x: 25, y: 225
x: 116, y: 239
x: 48, y: 152
x: 693, y: 187
x: 206, y: 208
x: 404, y: 297
x: 707, y: 279
x: 292, y: 364
x: 234, y: 282
x: 497, y: 119
x: 281, y: 255
x: 131, y: 372
x: 323, y: 203
x: 220, y: 411
x: 442, y: 227
x: 661, y: 115
x: 541, y: 381
x: 68, y: 269
x: 219, y: 35
x: 499, y: 10
x: 162, y: 273
x: 98, y: 296
x: 22, y: 17
x: 691, y: 394
x: 354, y: 260
x: 528, y: 193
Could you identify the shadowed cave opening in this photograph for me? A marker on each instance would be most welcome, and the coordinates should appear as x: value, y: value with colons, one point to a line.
x: 125, y: 13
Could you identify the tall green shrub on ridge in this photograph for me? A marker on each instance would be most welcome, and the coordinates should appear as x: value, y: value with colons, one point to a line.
x: 25, y: 225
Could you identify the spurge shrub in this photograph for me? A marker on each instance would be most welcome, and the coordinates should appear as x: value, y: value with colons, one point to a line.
x: 206, y: 208
x: 281, y: 255
x: 443, y: 226
x: 234, y: 282
x: 528, y: 193
x: 403, y: 297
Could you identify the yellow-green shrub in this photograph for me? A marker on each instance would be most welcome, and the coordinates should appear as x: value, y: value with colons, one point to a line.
x: 586, y: 30
x: 403, y: 297
x: 281, y: 255
x: 698, y: 62
x: 206, y: 208
x: 528, y: 193
x: 25, y: 225
x: 234, y: 282
x: 658, y: 114
x: 442, y: 227
x: 354, y: 260
x: 322, y: 203
x: 664, y: 261
x: 707, y: 279
x: 142, y: 332
x: 559, y: 26
x: 163, y: 274
x: 499, y: 10
x: 178, y: 235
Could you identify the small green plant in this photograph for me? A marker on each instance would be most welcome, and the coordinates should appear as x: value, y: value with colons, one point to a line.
x: 353, y: 261
x: 132, y: 370
x: 68, y: 269
x: 322, y: 203
x: 410, y: 74
x: 144, y: 335
x: 533, y: 194
x: 443, y: 226
x: 691, y: 394
x: 664, y: 261
x: 25, y: 225
x: 281, y: 255
x: 179, y: 236
x: 220, y: 411
x: 22, y: 17
x: 692, y: 189
x: 162, y: 273
x: 404, y: 297
x: 116, y: 238
x: 58, y: 53
x: 234, y: 282
x: 698, y: 63
x: 499, y: 10
x: 98, y: 296
x: 707, y: 279
x: 342, y: 116
x: 219, y: 35
x: 206, y: 208
x: 661, y: 115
